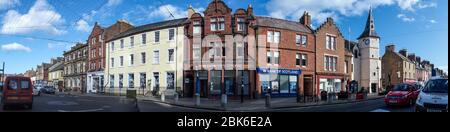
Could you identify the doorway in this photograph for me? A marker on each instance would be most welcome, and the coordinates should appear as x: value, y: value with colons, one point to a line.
x: 373, y: 88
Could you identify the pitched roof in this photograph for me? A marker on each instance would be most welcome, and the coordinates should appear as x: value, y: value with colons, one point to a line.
x: 152, y: 26
x: 369, y: 30
x: 56, y: 67
x: 403, y: 57
x: 281, y: 24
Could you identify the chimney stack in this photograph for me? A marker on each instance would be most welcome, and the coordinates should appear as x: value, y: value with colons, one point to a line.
x: 418, y: 59
x: 412, y: 57
x: 306, y: 19
x: 390, y: 48
x: 404, y: 52
x: 191, y: 11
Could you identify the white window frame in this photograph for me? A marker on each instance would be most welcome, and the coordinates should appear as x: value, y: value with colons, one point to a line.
x: 121, y: 61
x: 131, y: 58
x: 156, y: 59
x: 270, y: 35
x: 168, y: 56
x: 143, y: 57
x: 171, y: 38
x: 131, y: 41
x: 122, y: 44
x: 157, y: 36
x: 144, y: 38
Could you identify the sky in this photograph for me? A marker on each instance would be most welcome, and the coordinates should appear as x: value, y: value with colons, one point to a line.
x: 34, y: 31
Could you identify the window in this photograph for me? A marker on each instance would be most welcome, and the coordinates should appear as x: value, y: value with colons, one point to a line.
x: 304, y: 60
x: 100, y: 52
x: 197, y: 27
x: 121, y: 60
x: 131, y: 59
x: 171, y: 55
x: 298, y: 39
x: 171, y: 34
x: 24, y: 85
x: 156, y: 57
x: 143, y: 57
x: 241, y: 24
x: 270, y: 36
x: 131, y: 80
x: 213, y: 24
x: 276, y: 57
x: 304, y: 40
x: 143, y: 80
x: 240, y: 50
x: 331, y: 42
x: 297, y: 59
x: 197, y: 53
x: 170, y: 80
x: 330, y: 63
x: 120, y: 80
x: 223, y: 51
x: 144, y: 38
x: 122, y: 44
x: 157, y: 37
x: 269, y: 57
x: 221, y: 23
x: 131, y: 42
x: 276, y: 38
x: 346, y: 67
x: 12, y: 85
x: 111, y: 81
x: 156, y: 77
x: 112, y: 62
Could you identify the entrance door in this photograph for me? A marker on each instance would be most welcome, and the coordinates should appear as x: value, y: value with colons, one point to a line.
x: 203, y: 88
x: 308, y: 86
x: 373, y: 88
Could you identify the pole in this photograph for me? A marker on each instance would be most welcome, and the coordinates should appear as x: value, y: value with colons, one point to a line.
x: 242, y: 87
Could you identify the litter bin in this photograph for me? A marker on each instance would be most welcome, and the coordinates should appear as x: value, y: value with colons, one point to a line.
x: 131, y: 94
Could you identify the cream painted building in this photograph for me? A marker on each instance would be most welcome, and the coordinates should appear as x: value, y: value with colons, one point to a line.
x: 148, y: 57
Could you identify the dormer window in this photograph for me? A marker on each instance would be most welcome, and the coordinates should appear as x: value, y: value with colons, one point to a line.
x: 197, y: 27
x: 218, y: 24
x: 241, y: 24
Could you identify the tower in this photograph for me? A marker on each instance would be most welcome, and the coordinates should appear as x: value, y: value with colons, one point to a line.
x: 370, y: 63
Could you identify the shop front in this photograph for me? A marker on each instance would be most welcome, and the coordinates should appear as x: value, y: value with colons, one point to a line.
x: 279, y: 82
x: 330, y: 84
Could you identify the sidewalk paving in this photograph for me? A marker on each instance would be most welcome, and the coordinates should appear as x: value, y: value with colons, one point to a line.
x: 248, y: 105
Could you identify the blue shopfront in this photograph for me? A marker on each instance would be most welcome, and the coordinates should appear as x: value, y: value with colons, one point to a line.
x: 279, y: 82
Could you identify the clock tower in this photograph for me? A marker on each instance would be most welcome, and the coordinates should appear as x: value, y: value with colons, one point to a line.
x: 370, y: 63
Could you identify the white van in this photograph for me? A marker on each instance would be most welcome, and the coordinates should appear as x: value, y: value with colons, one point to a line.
x: 434, y: 96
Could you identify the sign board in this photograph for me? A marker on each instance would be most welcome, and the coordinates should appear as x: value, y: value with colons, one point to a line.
x: 279, y: 71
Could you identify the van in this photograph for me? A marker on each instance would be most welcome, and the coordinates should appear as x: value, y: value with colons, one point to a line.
x: 17, y: 91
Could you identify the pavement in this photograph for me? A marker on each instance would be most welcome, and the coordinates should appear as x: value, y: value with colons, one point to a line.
x: 248, y: 105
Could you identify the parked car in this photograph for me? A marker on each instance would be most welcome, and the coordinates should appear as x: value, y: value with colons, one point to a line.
x: 48, y: 90
x: 402, y: 94
x: 433, y: 97
x: 36, y: 91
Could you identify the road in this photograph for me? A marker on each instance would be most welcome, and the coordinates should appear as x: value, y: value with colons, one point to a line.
x: 71, y: 103
x: 377, y: 105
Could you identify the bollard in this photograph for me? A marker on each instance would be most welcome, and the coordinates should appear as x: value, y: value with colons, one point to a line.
x: 197, y: 99
x: 176, y: 97
x: 163, y: 97
x: 224, y: 100
x: 268, y: 105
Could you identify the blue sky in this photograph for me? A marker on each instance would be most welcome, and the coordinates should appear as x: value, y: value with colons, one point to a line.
x: 33, y: 31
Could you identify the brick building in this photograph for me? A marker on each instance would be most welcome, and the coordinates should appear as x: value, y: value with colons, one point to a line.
x: 397, y: 68
x: 97, y: 53
x: 75, y: 61
x: 330, y: 58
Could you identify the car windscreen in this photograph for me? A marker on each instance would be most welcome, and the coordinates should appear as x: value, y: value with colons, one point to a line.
x: 400, y: 87
x: 436, y: 86
x: 25, y: 85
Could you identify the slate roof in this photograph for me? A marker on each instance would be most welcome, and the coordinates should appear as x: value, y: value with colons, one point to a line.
x: 281, y: 24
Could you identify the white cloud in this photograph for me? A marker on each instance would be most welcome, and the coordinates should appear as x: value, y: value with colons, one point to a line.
x: 426, y: 5
x: 7, y: 4
x: 320, y: 9
x: 15, y: 47
x: 165, y: 12
x: 407, y: 4
x: 40, y: 17
x: 113, y: 2
x: 405, y: 18
x: 433, y: 21
x: 82, y: 25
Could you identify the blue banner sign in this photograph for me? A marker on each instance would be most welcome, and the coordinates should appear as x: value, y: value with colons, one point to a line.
x: 279, y: 71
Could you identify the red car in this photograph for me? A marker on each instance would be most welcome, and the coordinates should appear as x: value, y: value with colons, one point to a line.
x: 402, y: 95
